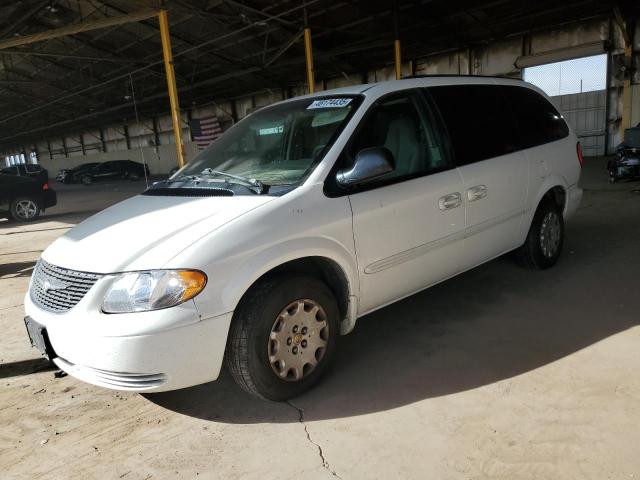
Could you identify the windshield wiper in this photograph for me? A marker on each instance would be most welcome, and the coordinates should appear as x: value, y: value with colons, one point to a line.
x: 257, y: 185
x: 253, y: 184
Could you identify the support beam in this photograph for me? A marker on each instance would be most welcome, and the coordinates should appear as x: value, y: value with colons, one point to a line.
x: 627, y: 27
x: 234, y: 111
x: 396, y: 45
x: 88, y: 58
x: 398, y: 58
x: 156, y: 134
x: 102, y: 141
x: 309, y: 60
x: 78, y: 28
x: 15, y: 24
x: 171, y: 85
x: 127, y: 138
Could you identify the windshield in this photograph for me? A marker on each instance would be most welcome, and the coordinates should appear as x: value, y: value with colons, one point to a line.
x: 277, y: 145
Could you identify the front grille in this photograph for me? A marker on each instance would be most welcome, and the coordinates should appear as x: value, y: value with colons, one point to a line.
x: 56, y: 289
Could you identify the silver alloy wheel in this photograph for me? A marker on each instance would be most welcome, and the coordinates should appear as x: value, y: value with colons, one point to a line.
x: 26, y: 209
x: 550, y: 232
x: 298, y: 340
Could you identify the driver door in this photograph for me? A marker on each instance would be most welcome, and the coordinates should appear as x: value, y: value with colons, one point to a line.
x: 408, y: 225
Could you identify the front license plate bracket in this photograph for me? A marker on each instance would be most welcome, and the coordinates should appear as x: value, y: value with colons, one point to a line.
x: 38, y: 337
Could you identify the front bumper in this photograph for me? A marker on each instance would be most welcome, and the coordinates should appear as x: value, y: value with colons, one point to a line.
x: 153, y: 358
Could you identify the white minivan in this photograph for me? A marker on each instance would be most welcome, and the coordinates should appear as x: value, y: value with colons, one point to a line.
x: 301, y: 218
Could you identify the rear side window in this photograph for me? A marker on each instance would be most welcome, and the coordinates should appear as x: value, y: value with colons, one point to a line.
x: 479, y: 122
x: 538, y: 120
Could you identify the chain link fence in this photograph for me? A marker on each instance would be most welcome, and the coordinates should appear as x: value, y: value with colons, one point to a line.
x: 578, y: 88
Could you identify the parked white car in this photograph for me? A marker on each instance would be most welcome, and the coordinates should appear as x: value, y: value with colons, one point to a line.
x: 303, y: 217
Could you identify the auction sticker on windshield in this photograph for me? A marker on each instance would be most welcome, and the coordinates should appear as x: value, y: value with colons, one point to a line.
x: 330, y: 103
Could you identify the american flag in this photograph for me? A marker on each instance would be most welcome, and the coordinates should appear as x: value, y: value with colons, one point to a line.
x: 205, y: 130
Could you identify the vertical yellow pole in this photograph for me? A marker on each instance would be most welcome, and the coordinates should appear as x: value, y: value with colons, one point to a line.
x: 396, y: 45
x: 309, y: 56
x: 626, y: 91
x: 171, y: 85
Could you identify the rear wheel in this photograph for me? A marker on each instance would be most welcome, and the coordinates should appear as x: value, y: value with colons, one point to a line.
x: 25, y: 209
x: 283, y: 337
x: 86, y: 180
x: 544, y: 241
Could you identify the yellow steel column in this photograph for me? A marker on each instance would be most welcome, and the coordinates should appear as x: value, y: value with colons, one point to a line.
x: 171, y: 84
x: 396, y: 42
x: 396, y: 45
x: 308, y: 52
x: 626, y: 90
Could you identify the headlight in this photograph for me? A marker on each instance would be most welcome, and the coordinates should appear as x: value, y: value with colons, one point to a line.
x: 152, y: 290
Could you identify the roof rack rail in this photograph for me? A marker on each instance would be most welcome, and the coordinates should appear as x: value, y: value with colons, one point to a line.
x: 436, y: 75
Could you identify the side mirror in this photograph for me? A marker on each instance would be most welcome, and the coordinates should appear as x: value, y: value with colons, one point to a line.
x: 370, y: 164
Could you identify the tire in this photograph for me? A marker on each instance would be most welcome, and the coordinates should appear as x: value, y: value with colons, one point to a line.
x: 24, y: 209
x: 545, y: 239
x: 86, y: 180
x: 269, y: 327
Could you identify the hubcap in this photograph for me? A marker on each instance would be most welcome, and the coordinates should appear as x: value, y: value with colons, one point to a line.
x: 298, y: 340
x: 550, y: 234
x: 26, y: 209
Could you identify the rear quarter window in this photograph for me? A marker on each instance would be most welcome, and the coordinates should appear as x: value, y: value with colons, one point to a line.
x: 538, y: 120
x: 478, y: 120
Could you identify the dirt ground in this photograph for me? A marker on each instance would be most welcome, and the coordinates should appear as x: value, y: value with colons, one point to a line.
x: 500, y: 373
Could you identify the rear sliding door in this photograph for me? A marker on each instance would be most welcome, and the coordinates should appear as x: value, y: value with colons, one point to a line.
x: 484, y: 139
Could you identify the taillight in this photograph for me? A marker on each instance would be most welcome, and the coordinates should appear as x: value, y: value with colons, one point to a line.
x: 579, y: 152
x: 45, y: 186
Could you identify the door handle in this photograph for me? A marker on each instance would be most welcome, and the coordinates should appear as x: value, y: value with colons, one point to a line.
x: 450, y: 201
x: 476, y: 193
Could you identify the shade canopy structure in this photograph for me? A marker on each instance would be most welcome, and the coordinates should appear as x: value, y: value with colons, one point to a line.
x: 226, y: 48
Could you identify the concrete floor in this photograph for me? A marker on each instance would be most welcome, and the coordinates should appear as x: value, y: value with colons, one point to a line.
x: 498, y: 373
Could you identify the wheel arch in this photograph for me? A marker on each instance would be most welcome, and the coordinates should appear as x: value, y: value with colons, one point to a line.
x: 323, y: 268
x: 554, y: 189
x: 321, y: 258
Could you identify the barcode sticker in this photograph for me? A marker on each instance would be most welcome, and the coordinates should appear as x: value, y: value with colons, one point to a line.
x: 330, y: 103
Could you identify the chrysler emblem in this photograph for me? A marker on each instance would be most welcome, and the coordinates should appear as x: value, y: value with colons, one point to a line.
x: 53, y: 285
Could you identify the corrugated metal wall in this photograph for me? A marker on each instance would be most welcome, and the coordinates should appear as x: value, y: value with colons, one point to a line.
x: 585, y: 113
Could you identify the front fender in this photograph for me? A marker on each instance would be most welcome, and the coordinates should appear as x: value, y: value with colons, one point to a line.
x: 222, y: 294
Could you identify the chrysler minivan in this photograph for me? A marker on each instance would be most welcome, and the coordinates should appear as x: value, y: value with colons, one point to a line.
x: 302, y: 218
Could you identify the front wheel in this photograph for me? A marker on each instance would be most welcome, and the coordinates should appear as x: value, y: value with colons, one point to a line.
x: 86, y: 180
x: 283, y: 336
x: 24, y: 209
x: 543, y: 245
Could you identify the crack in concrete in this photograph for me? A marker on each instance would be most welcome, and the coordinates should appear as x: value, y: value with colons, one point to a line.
x: 325, y: 463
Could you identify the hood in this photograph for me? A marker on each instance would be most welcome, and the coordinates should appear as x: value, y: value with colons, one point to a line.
x: 145, y: 232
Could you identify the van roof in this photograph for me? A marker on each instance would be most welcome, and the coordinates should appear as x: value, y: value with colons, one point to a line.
x: 420, y: 80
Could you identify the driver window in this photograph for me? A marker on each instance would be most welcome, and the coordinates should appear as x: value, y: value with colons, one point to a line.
x: 398, y: 124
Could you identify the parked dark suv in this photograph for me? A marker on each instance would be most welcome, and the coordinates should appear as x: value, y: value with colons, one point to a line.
x: 25, y: 197
x: 30, y: 170
x: 115, y: 169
